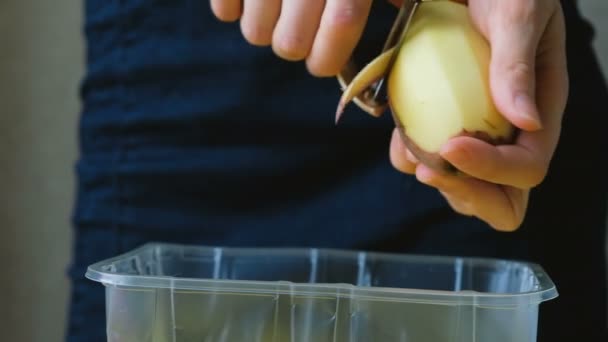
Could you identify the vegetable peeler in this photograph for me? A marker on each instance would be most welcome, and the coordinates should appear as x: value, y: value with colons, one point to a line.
x: 373, y: 100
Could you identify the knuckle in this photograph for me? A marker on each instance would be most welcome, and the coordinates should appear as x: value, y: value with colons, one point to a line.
x: 405, y: 169
x: 397, y: 156
x: 319, y: 70
x: 461, y: 208
x: 256, y: 35
x: 510, y: 225
x: 516, y: 214
x: 520, y: 71
x: 515, y: 223
x: 230, y: 17
x: 520, y: 67
x: 536, y: 176
x: 224, y: 12
x: 459, y: 204
x: 347, y: 14
x: 464, y: 209
x: 290, y: 47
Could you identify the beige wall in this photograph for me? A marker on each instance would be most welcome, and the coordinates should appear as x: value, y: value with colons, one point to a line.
x: 40, y: 67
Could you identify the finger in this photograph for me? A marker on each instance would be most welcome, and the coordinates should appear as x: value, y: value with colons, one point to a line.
x: 514, y: 37
x: 226, y: 10
x: 258, y: 20
x: 296, y: 29
x: 523, y: 165
x: 457, y: 204
x: 341, y: 28
x: 501, y: 207
x: 401, y: 158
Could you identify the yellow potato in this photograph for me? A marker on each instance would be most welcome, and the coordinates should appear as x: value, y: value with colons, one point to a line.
x: 438, y: 87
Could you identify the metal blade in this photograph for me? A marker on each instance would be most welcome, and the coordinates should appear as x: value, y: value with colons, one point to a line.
x: 396, y: 39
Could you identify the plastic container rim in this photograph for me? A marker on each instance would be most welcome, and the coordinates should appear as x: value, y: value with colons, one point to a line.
x: 546, y: 289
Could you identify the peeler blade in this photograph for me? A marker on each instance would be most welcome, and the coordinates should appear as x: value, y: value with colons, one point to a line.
x: 395, y: 39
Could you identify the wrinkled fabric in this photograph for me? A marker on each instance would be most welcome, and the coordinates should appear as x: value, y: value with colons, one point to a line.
x: 190, y: 135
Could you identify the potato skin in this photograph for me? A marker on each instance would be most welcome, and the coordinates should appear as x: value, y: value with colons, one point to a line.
x: 434, y: 160
x: 484, y: 123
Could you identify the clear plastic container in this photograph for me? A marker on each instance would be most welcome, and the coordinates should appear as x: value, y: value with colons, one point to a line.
x: 162, y: 292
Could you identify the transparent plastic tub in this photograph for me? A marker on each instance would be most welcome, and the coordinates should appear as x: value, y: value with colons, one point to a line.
x: 163, y: 292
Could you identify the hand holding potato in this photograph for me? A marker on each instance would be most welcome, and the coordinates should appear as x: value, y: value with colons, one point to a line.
x: 529, y: 85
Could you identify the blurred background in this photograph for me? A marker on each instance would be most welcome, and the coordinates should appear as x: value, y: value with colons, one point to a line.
x: 41, y: 63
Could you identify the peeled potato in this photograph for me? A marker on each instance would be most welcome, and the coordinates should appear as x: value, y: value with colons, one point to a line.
x: 438, y: 87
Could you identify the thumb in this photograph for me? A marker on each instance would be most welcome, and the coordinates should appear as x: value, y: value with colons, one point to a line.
x: 512, y: 69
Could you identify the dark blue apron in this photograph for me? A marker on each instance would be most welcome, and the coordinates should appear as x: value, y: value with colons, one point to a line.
x: 190, y: 135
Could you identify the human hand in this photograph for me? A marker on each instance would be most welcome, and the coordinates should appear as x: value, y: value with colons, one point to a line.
x: 323, y: 33
x: 529, y: 84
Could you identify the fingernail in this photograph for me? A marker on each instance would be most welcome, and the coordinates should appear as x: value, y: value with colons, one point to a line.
x: 527, y: 109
